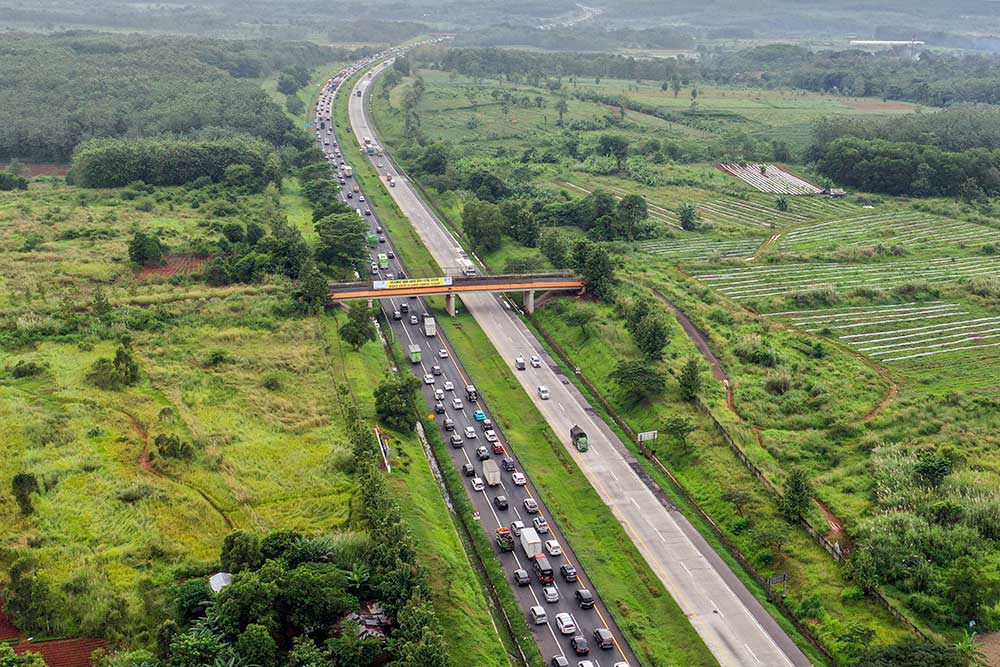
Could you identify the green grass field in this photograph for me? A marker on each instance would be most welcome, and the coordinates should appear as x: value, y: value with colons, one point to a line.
x: 253, y: 391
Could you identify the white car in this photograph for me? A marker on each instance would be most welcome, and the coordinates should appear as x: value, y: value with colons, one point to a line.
x: 565, y: 624
x: 491, y: 436
x: 477, y: 484
x: 538, y: 615
x: 443, y: 353
x: 456, y: 403
x: 536, y: 361
x: 439, y: 394
x: 428, y: 379
x: 543, y: 392
x: 449, y: 386
x: 553, y: 548
x: 541, y: 525
x: 550, y: 593
x: 470, y: 433
x: 380, y: 165
x: 519, y: 479
x: 361, y: 197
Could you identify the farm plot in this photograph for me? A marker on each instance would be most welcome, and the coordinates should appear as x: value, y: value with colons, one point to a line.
x: 770, y: 178
x: 904, y: 332
x: 788, y: 279
x: 700, y: 250
x: 896, y: 227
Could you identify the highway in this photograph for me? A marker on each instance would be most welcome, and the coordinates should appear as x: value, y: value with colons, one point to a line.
x: 450, y: 381
x: 733, y: 624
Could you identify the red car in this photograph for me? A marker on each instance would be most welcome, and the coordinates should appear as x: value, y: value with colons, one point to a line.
x: 498, y: 448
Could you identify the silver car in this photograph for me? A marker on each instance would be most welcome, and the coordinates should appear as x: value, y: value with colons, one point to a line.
x: 550, y: 593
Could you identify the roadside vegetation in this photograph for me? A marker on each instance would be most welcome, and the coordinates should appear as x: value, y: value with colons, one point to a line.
x: 528, y: 168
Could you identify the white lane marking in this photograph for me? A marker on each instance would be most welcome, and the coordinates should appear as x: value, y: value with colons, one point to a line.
x: 747, y: 646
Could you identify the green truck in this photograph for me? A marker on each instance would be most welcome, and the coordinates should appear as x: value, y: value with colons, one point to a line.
x: 504, y: 539
x: 372, y: 240
x: 579, y: 438
x: 415, y: 354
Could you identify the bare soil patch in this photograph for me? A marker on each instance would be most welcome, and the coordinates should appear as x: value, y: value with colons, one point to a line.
x: 174, y: 265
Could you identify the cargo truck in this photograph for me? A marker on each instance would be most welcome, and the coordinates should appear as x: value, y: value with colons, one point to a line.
x: 579, y: 438
x: 348, y: 171
x: 470, y: 392
x: 372, y: 240
x: 415, y: 354
x: 491, y: 472
x: 530, y: 542
x: 430, y: 327
x: 504, y: 539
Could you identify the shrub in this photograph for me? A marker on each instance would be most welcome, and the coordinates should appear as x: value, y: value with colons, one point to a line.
x: 114, y: 374
x: 752, y: 349
x: 173, y: 447
x: 778, y: 383
x: 25, y: 369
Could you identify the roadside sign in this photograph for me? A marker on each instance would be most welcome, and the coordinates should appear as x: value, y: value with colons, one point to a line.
x: 383, y: 447
x: 475, y: 515
x: 410, y: 283
x: 647, y: 435
x: 777, y: 579
x: 308, y: 124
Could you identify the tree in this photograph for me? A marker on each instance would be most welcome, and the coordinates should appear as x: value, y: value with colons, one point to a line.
x: 689, y: 382
x: 359, y: 327
x: 739, y: 498
x: 11, y: 181
x: 114, y: 374
x: 294, y: 105
x: 781, y: 204
x: 240, y: 551
x: 561, y: 108
x: 255, y: 646
x: 933, y: 468
x: 638, y: 380
x: 483, y: 224
x: 675, y: 85
x: 287, y: 84
x: 631, y: 213
x: 342, y: 240
x: 191, y: 599
x: 10, y: 659
x: 773, y: 534
x: 396, y: 401
x: 972, y: 590
x: 912, y: 652
x: 22, y: 486
x: 539, y: 101
x: 434, y: 159
x: 679, y: 428
x: 650, y: 334
x: 687, y: 214
x: 598, y: 270
x: 615, y: 146
x: 145, y: 249
x: 521, y: 221
x: 313, y: 291
x: 100, y: 305
x: 580, y: 318
x: 554, y: 245
x: 798, y: 494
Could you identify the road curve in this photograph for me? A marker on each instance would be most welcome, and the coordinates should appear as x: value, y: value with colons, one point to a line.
x: 733, y: 624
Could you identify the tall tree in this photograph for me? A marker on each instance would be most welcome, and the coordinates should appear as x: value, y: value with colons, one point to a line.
x: 342, y: 240
x: 396, y: 401
x: 359, y: 327
x: 631, y: 213
x: 690, y: 380
x: 797, y: 496
x: 484, y: 224
x: 638, y: 380
x: 688, y: 217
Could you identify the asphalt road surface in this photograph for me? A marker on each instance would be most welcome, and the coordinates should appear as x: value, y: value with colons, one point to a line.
x: 548, y: 636
x: 733, y: 624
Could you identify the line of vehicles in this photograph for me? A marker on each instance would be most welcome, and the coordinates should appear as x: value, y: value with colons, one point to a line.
x: 497, y: 488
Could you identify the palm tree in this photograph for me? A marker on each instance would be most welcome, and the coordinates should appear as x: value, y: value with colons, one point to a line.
x: 562, y: 108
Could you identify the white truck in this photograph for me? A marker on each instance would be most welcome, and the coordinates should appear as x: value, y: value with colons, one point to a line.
x: 530, y: 542
x: 348, y: 171
x: 468, y: 268
x: 491, y: 471
x: 430, y: 327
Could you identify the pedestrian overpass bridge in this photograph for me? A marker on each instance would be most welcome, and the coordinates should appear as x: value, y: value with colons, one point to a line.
x: 453, y: 285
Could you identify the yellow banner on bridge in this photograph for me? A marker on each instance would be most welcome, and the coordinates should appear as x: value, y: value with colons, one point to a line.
x: 411, y: 283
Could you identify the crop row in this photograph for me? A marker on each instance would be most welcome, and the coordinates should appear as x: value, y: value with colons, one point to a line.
x: 899, y: 227
x: 700, y: 250
x: 905, y: 331
x: 773, y: 280
x: 769, y: 178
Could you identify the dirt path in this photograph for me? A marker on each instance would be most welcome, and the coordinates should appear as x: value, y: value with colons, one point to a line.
x: 889, y: 398
x: 700, y: 341
x: 836, y: 533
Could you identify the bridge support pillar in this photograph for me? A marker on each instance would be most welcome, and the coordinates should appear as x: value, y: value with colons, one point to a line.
x: 451, y: 304
x: 371, y: 304
x: 529, y: 301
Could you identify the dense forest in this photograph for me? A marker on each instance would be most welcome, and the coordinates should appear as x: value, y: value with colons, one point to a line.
x: 58, y: 91
x: 956, y: 129
x: 586, y: 38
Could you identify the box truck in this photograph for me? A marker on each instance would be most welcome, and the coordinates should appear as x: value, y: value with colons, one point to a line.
x: 491, y: 472
x: 530, y: 542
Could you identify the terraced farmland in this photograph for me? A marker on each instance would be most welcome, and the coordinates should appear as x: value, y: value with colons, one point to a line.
x: 700, y: 249
x: 770, y: 178
x: 756, y: 282
x: 904, y: 332
x: 907, y: 228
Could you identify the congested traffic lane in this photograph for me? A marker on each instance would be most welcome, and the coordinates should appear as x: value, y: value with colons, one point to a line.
x: 551, y: 641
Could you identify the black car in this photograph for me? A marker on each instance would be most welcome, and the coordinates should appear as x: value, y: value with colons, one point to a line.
x: 560, y: 661
x: 439, y: 408
x: 568, y: 572
x: 603, y: 639
x: 435, y: 370
x: 449, y: 424
x: 487, y: 424
x: 579, y: 645
x: 468, y: 470
x: 392, y: 255
x: 500, y: 502
x: 482, y: 453
x: 350, y: 195
x: 521, y: 577
x: 584, y: 599
x: 456, y: 440
x: 507, y: 463
x: 404, y: 308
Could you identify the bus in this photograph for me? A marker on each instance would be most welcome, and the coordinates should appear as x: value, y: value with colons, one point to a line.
x: 383, y: 261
